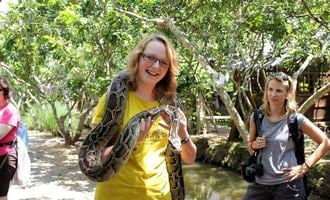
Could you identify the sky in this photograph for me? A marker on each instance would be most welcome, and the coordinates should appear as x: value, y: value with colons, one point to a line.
x: 4, y: 5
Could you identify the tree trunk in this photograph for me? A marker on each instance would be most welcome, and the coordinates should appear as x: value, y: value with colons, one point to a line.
x: 200, y: 114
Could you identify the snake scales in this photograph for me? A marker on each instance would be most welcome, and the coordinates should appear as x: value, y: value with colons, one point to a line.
x: 123, y: 144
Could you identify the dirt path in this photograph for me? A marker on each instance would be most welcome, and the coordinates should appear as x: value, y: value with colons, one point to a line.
x: 55, y: 173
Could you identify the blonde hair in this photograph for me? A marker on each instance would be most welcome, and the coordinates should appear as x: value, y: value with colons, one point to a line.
x: 290, y: 103
x: 166, y: 88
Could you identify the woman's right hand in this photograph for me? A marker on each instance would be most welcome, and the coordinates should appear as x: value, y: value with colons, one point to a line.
x: 145, y: 125
x: 106, y: 152
x: 259, y: 143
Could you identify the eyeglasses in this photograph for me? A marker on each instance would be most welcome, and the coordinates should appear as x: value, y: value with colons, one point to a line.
x: 151, y: 59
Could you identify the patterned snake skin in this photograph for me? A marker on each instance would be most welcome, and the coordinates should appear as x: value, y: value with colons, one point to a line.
x: 123, y: 144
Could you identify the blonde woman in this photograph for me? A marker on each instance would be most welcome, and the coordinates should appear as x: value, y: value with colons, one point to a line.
x: 282, y: 178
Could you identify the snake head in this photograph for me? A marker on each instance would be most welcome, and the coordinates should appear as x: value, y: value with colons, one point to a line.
x: 174, y: 135
x: 174, y: 138
x: 168, y: 110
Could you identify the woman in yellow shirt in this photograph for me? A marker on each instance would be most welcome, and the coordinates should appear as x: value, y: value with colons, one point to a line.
x: 153, y: 68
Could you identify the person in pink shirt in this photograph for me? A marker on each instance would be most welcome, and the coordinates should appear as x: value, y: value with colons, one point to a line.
x: 9, y: 119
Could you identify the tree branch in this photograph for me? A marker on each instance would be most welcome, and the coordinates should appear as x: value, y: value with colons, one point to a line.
x: 300, y: 70
x: 23, y: 83
x: 317, y: 20
x: 221, y: 90
x: 311, y: 100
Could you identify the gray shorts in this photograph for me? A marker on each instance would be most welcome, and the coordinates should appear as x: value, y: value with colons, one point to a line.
x: 285, y: 191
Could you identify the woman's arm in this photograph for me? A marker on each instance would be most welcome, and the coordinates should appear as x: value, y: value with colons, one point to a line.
x: 252, y: 136
x: 255, y: 142
x: 4, y: 130
x: 188, y: 148
x: 319, y: 137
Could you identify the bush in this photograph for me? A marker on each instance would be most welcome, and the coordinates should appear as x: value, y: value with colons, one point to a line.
x: 41, y: 117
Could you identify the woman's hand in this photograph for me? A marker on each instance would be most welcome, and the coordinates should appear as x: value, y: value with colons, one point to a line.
x: 259, y: 143
x: 293, y: 173
x: 188, y: 150
x: 106, y: 152
x: 145, y: 125
x: 183, y: 133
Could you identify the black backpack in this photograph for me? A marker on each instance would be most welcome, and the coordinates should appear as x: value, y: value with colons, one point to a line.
x: 297, y: 136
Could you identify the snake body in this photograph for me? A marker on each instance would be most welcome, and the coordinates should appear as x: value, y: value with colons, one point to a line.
x: 106, y: 133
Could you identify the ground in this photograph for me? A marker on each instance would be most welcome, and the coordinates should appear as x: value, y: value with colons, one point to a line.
x: 55, y: 173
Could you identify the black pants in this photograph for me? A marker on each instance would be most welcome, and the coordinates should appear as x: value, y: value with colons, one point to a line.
x: 285, y: 191
x: 7, y: 172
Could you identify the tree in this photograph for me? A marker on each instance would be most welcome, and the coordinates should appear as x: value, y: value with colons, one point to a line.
x: 79, y: 45
x: 65, y: 54
x: 258, y: 38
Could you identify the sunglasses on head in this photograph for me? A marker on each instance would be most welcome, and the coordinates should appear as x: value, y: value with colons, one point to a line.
x: 279, y: 76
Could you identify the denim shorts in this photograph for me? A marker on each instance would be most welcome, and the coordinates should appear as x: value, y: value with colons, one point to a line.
x: 7, y: 172
x: 284, y: 191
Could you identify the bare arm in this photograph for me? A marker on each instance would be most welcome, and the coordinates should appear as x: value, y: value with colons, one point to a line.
x: 188, y: 149
x: 4, y: 130
x: 255, y: 143
x: 252, y: 135
x: 319, y: 137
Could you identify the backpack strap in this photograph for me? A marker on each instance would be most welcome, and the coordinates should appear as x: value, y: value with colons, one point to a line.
x: 298, y: 138
x: 258, y: 116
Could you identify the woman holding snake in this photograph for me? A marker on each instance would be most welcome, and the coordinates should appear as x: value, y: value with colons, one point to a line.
x: 152, y: 68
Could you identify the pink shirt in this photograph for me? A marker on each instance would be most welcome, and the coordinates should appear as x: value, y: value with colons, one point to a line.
x: 9, y: 115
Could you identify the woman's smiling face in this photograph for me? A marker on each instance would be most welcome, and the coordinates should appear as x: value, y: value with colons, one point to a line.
x: 153, y: 63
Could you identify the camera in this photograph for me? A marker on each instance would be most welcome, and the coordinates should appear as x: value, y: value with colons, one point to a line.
x: 254, y: 170
x: 251, y: 168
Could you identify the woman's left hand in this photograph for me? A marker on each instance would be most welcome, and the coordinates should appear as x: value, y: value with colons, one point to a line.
x: 183, y: 133
x: 293, y: 173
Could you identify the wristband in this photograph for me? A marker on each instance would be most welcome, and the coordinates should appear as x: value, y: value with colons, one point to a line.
x: 186, y: 140
x: 307, y: 165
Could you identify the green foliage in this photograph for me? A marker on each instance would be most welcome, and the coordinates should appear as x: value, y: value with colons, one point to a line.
x: 68, y: 50
x: 42, y: 118
x: 190, y: 83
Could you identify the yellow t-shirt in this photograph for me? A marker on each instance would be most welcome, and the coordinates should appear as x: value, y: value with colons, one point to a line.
x: 99, y: 110
x: 144, y: 176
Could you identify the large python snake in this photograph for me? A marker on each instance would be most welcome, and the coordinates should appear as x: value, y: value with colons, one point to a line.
x: 123, y: 143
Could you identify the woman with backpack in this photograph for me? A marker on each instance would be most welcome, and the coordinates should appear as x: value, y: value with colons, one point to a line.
x: 9, y: 120
x: 282, y: 177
